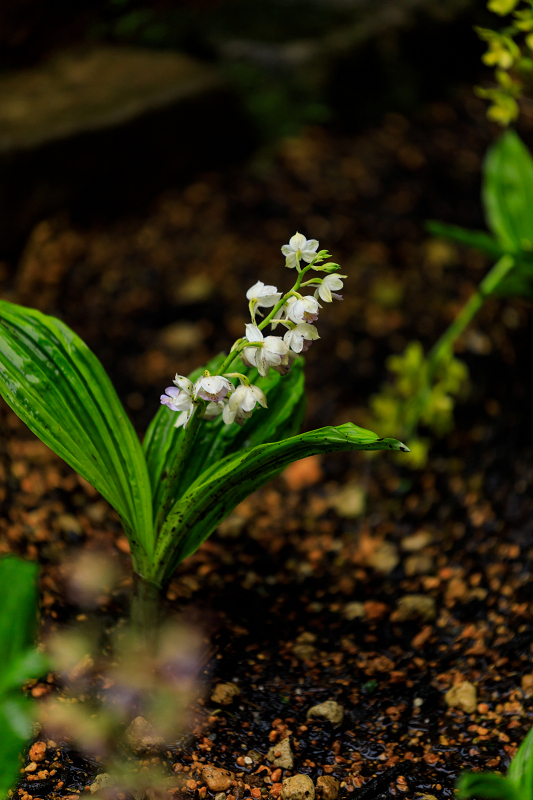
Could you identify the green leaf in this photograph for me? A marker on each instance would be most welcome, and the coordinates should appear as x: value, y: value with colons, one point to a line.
x: 20, y: 661
x: 57, y: 386
x: 16, y: 719
x: 478, y: 239
x: 226, y: 483
x: 215, y: 440
x: 487, y: 784
x: 18, y: 609
x: 520, y: 772
x: 508, y: 193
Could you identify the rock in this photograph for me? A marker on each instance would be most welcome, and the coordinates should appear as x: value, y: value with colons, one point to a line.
x: 37, y: 751
x: 416, y: 541
x: 141, y: 736
x: 330, y: 710
x: 349, y: 502
x: 299, y: 787
x: 415, y: 606
x: 384, y: 559
x: 281, y: 754
x: 217, y: 779
x: 304, y: 648
x: 527, y: 688
x: 224, y: 693
x: 354, y: 610
x: 328, y: 787
x: 419, y: 564
x: 303, y: 473
x: 463, y: 696
x: 220, y: 796
x: 101, y: 781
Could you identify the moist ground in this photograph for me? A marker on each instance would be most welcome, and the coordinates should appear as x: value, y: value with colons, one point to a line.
x: 274, y: 589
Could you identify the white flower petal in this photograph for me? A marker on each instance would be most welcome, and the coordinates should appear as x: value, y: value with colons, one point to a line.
x: 298, y: 241
x: 253, y: 334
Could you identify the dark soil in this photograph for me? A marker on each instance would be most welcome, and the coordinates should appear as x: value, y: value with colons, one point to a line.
x: 157, y: 295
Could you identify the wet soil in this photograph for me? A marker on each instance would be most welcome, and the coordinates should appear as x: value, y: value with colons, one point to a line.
x: 274, y: 589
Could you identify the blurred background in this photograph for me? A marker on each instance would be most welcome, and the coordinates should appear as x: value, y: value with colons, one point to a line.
x: 155, y: 156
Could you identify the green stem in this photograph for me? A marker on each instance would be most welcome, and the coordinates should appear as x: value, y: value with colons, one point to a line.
x: 176, y: 471
x: 444, y: 345
x: 146, y: 609
x: 469, y: 310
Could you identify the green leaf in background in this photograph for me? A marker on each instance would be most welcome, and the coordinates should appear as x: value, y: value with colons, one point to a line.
x: 19, y: 662
x: 508, y: 193
x: 225, y: 484
x: 477, y: 239
x: 215, y: 440
x: 57, y: 386
x: 520, y: 772
x: 489, y: 785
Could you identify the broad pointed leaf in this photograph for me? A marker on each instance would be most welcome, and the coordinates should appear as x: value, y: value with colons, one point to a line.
x: 488, y: 785
x: 508, y: 193
x: 479, y: 239
x: 215, y: 440
x: 57, y: 386
x: 222, y: 486
x: 520, y: 771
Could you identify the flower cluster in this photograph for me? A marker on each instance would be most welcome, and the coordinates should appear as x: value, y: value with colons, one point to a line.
x: 212, y: 395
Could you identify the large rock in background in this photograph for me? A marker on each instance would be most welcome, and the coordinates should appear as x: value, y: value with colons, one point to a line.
x: 99, y: 129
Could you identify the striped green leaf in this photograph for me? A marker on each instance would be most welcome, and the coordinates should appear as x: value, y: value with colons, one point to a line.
x: 226, y: 483
x: 57, y: 386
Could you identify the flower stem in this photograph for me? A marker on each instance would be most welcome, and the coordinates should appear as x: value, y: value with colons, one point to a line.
x: 146, y: 609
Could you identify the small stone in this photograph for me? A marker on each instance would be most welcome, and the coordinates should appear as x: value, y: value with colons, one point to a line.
x: 101, y: 781
x: 141, y: 736
x: 254, y: 756
x: 354, y: 610
x: 303, y: 473
x: 299, y: 787
x: 419, y: 564
x: 527, y: 688
x: 416, y: 541
x: 281, y: 754
x: 415, y: 606
x: 37, y: 751
x: 349, y: 502
x: 328, y: 787
x: 384, y: 559
x: 217, y: 779
x: 330, y: 710
x: 224, y: 693
x: 31, y: 767
x: 67, y: 523
x: 463, y: 696
x: 304, y: 648
x: 220, y: 796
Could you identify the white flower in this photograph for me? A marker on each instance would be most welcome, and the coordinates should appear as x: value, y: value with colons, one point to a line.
x: 263, y: 296
x: 299, y: 338
x: 286, y: 363
x: 212, y: 388
x: 180, y: 400
x: 270, y: 353
x: 330, y: 284
x: 212, y: 410
x: 304, y: 310
x: 299, y: 248
x: 241, y: 404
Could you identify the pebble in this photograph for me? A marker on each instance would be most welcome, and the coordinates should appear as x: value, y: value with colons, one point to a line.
x: 416, y: 541
x: 101, y: 781
x: 330, y: 710
x: 419, y: 564
x: 220, y: 796
x: 463, y: 696
x: 384, y: 559
x: 281, y: 754
x: 415, y: 606
x: 299, y: 787
x: 37, y: 751
x: 328, y: 787
x: 349, y: 502
x: 224, y: 693
x: 526, y: 683
x: 141, y: 736
x: 304, y: 648
x: 217, y: 779
x: 354, y: 610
